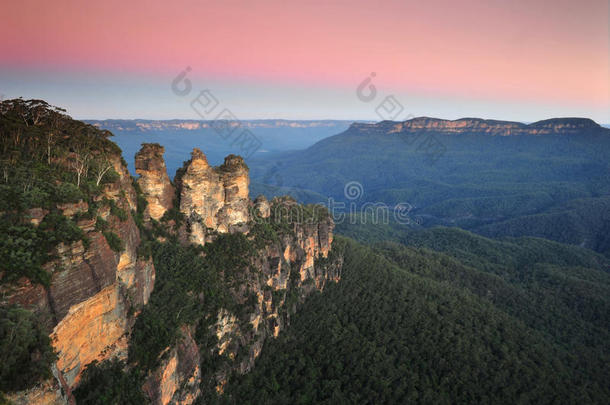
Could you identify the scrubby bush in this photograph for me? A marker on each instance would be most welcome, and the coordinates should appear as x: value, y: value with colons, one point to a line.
x: 114, y: 241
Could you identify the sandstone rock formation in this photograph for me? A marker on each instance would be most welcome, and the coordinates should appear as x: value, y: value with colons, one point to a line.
x: 279, y: 277
x: 213, y: 199
x: 154, y: 181
x: 262, y: 207
x: 95, y: 292
x: 283, y: 274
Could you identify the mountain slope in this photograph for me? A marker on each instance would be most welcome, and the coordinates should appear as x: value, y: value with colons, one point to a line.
x: 413, y: 331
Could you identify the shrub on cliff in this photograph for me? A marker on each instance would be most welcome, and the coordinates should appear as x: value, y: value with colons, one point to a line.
x: 114, y: 241
x: 24, y: 247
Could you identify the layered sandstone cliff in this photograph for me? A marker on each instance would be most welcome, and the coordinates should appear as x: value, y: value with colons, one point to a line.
x: 280, y: 276
x: 94, y: 292
x: 177, y: 379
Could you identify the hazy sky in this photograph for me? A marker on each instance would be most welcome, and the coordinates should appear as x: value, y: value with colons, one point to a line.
x: 518, y: 60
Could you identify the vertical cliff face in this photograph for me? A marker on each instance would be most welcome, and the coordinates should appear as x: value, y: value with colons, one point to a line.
x: 154, y: 181
x: 213, y: 199
x: 280, y: 275
x: 95, y: 291
x: 236, y: 183
x: 262, y: 207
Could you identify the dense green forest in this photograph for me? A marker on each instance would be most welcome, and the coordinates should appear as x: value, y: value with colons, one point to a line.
x: 410, y: 325
x: 554, y: 186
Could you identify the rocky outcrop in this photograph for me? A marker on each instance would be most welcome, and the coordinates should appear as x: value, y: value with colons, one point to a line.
x: 236, y: 182
x: 154, y: 181
x: 95, y: 292
x: 213, y: 199
x: 564, y: 126
x: 282, y: 272
x: 48, y: 392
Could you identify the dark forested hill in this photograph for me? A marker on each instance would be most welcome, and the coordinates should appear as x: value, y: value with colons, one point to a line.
x: 549, y: 179
x: 407, y: 325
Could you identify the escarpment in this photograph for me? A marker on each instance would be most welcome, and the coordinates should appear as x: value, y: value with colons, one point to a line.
x: 178, y: 377
x: 560, y: 126
x: 96, y: 286
x: 81, y: 240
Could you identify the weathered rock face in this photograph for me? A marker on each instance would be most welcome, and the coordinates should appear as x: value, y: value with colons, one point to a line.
x: 213, y: 198
x: 236, y: 183
x: 154, y: 181
x: 46, y: 393
x: 94, y: 293
x: 479, y: 126
x: 177, y: 379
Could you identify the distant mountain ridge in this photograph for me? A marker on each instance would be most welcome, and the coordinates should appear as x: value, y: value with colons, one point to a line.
x: 569, y: 125
x: 178, y: 124
x: 498, y: 178
x: 181, y: 136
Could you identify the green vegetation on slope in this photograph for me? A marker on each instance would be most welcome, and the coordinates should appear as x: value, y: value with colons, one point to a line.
x: 109, y: 383
x: 47, y: 159
x: 409, y: 325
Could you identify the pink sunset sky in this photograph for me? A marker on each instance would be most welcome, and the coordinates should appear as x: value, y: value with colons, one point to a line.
x: 519, y: 60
